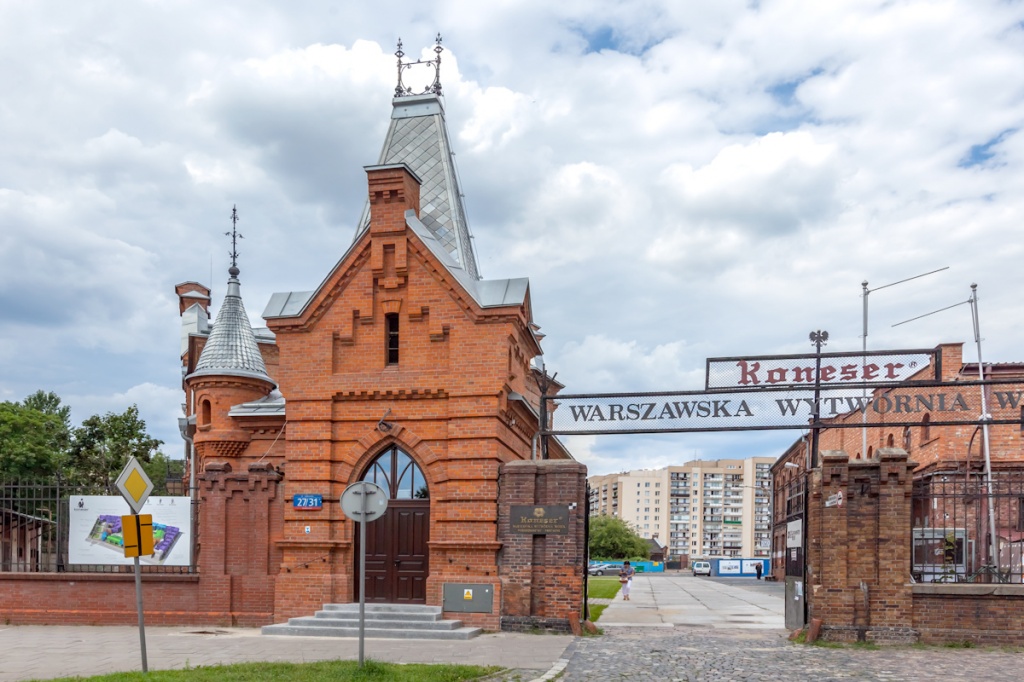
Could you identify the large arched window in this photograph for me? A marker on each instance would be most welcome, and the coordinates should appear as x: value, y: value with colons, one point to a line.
x: 398, y: 474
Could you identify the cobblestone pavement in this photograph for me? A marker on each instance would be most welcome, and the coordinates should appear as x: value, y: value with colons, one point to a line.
x: 670, y: 654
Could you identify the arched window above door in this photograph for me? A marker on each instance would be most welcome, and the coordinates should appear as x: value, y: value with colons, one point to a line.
x: 397, y: 473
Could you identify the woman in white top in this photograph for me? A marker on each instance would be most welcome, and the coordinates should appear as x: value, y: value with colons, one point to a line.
x: 626, y: 579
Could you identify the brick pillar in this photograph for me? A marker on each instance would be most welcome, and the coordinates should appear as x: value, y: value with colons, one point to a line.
x: 859, y: 547
x: 240, y: 516
x: 542, y: 575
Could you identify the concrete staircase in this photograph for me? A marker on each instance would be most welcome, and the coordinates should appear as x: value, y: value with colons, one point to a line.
x: 399, y: 621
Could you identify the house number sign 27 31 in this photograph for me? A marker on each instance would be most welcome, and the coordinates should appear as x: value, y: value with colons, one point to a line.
x: 308, y: 502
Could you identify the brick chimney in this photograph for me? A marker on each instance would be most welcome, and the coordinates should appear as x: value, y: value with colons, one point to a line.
x: 190, y: 293
x: 394, y: 189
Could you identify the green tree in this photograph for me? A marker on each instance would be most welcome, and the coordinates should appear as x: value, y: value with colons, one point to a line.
x: 161, y: 468
x: 30, y: 441
x: 613, y: 538
x: 102, y: 446
x: 49, y: 403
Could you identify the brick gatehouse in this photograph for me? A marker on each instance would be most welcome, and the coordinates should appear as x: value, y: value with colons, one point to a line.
x: 403, y: 367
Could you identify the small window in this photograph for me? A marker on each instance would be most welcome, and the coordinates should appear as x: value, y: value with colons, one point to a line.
x: 890, y: 441
x: 906, y: 438
x: 206, y: 413
x: 926, y: 428
x: 391, y: 323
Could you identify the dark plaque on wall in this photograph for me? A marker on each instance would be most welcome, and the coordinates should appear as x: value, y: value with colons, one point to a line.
x: 540, y: 520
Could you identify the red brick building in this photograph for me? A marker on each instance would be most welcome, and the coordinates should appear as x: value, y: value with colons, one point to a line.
x: 910, y: 539
x: 403, y: 367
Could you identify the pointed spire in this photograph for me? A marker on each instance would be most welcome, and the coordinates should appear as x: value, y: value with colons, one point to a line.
x: 231, y: 349
x: 418, y: 137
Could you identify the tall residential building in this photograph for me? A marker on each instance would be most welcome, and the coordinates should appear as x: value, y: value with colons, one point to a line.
x: 706, y: 508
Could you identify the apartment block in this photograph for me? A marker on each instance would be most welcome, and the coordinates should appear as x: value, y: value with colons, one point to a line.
x: 705, y: 508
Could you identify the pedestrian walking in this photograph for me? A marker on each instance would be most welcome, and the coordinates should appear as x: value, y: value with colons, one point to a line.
x: 758, y: 567
x: 626, y: 579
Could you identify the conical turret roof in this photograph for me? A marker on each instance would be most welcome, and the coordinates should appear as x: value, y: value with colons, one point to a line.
x: 418, y: 138
x: 231, y: 349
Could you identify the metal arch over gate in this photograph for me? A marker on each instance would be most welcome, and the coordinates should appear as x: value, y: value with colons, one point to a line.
x: 765, y: 393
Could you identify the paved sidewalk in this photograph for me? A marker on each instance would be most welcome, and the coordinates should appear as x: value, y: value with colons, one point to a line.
x: 682, y: 600
x: 720, y: 655
x: 45, y: 652
x: 677, y: 627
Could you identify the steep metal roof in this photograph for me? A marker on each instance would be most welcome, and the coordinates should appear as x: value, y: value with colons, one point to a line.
x: 231, y: 349
x: 418, y: 137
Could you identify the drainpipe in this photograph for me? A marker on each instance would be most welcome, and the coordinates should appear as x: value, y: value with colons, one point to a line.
x: 187, y: 426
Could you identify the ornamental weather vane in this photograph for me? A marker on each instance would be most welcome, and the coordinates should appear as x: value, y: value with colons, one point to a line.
x: 402, y: 90
x: 235, y: 236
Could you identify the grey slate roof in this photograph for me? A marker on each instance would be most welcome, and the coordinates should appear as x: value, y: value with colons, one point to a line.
x: 231, y: 349
x: 418, y: 138
x: 273, y: 405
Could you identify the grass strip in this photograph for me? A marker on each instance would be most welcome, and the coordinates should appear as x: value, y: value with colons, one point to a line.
x: 602, y: 588
x: 321, y: 671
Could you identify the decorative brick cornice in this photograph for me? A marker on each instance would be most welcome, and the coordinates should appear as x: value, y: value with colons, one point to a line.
x: 227, y: 448
x: 398, y: 394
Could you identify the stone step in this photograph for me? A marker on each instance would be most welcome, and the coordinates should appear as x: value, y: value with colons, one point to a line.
x: 386, y: 611
x: 369, y: 632
x: 397, y: 621
x: 319, y: 621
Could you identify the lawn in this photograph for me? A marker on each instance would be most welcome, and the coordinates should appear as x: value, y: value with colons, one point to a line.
x: 372, y: 671
x: 596, y: 610
x: 602, y: 588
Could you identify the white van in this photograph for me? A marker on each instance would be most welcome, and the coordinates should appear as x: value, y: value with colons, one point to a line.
x: 701, y: 568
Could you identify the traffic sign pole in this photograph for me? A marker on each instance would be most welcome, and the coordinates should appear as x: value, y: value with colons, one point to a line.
x: 142, y: 624
x: 362, y: 575
x: 135, y: 487
x: 356, y: 504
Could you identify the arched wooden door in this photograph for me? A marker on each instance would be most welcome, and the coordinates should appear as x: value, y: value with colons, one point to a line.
x: 397, y: 559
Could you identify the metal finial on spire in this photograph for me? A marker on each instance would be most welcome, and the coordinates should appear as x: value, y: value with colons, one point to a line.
x: 235, y: 236
x: 402, y: 90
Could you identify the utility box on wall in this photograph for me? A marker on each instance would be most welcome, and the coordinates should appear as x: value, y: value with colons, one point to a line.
x: 468, y: 597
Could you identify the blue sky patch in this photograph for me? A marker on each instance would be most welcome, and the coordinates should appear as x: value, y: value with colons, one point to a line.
x: 785, y: 92
x: 980, y: 154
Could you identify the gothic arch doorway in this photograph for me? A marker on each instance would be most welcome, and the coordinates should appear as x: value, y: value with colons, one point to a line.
x: 397, y: 558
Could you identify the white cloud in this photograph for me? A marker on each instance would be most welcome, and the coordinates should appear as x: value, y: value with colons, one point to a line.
x: 679, y: 180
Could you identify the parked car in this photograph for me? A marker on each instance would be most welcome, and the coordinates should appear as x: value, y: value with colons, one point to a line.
x: 701, y: 568
x: 601, y: 569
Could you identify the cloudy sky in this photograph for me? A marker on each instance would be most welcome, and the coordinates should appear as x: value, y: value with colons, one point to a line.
x: 679, y: 179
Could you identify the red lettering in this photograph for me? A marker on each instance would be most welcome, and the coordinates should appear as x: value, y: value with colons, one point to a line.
x: 748, y: 373
x: 870, y: 372
x: 891, y: 368
x: 849, y: 373
x: 828, y: 373
x: 777, y: 375
x: 803, y: 374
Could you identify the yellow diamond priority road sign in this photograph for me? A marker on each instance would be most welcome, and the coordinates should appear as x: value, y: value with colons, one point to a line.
x: 134, y: 485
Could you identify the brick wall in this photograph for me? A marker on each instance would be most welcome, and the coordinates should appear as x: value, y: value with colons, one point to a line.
x: 240, y: 513
x: 859, y: 550
x: 542, y: 575
x: 960, y: 612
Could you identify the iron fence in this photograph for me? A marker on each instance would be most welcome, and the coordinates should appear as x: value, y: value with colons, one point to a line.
x: 952, y: 528
x: 35, y: 530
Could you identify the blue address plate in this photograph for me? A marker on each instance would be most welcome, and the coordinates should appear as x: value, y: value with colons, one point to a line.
x: 308, y: 502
